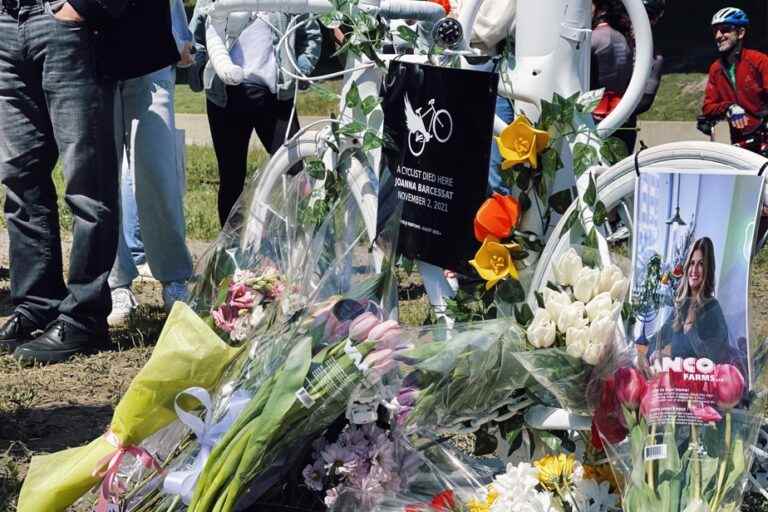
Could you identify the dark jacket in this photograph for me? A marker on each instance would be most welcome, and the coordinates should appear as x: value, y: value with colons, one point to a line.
x: 751, y: 91
x: 132, y: 38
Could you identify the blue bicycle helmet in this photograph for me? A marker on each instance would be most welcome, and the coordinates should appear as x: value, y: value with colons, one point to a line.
x: 730, y: 16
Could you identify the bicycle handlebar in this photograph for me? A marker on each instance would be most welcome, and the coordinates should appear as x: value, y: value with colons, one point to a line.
x: 391, y: 9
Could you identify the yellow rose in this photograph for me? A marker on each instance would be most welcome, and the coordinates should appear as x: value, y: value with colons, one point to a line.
x: 493, y: 261
x: 521, y: 142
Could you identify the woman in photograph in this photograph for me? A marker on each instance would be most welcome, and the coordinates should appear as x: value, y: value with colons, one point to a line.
x: 697, y: 326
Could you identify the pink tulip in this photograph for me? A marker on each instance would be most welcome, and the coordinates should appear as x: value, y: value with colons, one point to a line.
x: 630, y: 387
x: 378, y: 332
x: 651, y: 401
x: 706, y: 414
x: 380, y: 362
x: 362, y: 325
x: 729, y: 385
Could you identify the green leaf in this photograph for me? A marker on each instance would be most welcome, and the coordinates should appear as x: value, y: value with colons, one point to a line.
x: 407, y: 34
x: 525, y: 201
x: 315, y: 168
x: 590, y: 196
x: 352, y: 128
x: 560, y: 201
x: 601, y: 214
x: 369, y: 104
x: 523, y: 179
x: 613, y: 150
x: 572, y: 217
x: 510, y: 291
x: 485, y: 443
x: 353, y: 96
x: 550, y: 163
x: 539, y: 298
x: 371, y: 141
x: 584, y: 156
x: 524, y: 315
x: 548, y: 115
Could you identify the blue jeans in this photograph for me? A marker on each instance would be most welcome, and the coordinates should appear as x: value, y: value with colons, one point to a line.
x: 54, y: 107
x: 504, y: 111
x: 151, y: 194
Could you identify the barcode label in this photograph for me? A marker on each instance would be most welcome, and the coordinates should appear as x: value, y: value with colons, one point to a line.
x: 304, y: 398
x: 656, y: 452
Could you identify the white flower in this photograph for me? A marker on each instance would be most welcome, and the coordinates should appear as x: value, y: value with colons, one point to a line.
x: 612, y: 281
x: 541, y: 332
x: 602, y: 330
x: 554, y: 302
x: 567, y: 267
x: 601, y: 305
x: 576, y: 341
x: 592, y: 353
x: 586, y: 283
x: 516, y: 489
x: 572, y: 315
x: 590, y: 496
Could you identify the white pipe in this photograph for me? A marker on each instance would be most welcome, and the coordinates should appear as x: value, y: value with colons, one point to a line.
x: 467, y: 17
x: 218, y: 53
x: 640, y: 73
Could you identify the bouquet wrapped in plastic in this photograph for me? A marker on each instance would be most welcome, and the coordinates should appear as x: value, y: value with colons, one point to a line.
x: 575, y: 332
x: 255, y: 402
x: 187, y: 354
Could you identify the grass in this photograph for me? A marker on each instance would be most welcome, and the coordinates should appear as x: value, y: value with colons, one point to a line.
x: 200, y: 199
x: 309, y: 103
x: 679, y: 98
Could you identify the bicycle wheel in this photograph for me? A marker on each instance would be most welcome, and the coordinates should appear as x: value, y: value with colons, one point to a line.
x: 617, y: 186
x: 443, y: 125
x: 416, y: 143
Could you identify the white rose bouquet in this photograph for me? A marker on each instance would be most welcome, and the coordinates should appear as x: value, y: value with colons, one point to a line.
x: 573, y: 330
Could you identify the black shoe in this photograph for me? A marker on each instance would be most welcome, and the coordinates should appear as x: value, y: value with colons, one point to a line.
x: 16, y: 331
x: 60, y: 341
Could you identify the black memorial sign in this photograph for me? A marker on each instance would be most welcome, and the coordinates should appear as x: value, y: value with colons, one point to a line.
x: 441, y: 122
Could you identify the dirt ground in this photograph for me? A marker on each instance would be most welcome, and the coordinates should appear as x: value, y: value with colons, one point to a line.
x: 46, y: 409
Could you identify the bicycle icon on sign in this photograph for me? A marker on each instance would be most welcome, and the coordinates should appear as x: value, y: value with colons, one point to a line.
x: 440, y: 126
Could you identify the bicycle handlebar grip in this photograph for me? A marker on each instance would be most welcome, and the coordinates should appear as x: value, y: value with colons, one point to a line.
x: 411, y: 10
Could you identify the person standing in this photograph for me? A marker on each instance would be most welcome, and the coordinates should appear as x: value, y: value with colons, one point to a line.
x: 57, y: 61
x: 737, y: 87
x: 152, y: 198
x: 263, y: 101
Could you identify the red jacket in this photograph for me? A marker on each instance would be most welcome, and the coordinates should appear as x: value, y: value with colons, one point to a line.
x: 751, y: 90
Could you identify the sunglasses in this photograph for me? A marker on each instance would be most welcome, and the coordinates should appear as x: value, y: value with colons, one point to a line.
x: 724, y: 29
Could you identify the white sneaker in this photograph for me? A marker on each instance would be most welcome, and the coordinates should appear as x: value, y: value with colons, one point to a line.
x: 123, y: 304
x: 172, y: 292
x: 145, y: 273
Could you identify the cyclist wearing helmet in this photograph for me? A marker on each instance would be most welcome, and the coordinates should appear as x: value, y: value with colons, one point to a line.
x: 738, y: 81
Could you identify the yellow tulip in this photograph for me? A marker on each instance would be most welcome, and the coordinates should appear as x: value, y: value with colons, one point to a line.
x: 493, y: 262
x: 521, y: 142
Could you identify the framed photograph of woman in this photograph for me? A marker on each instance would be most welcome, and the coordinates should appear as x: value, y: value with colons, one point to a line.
x: 694, y: 235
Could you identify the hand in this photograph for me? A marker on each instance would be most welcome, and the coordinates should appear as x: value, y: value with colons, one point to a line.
x: 187, y: 59
x: 68, y: 13
x: 737, y: 116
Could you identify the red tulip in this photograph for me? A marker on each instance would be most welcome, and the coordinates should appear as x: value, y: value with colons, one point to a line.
x: 443, y: 502
x: 630, y: 387
x: 651, y: 401
x: 497, y: 217
x: 706, y: 413
x: 729, y: 385
x: 608, y: 421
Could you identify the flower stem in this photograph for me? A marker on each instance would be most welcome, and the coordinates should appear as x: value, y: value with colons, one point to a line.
x: 719, y: 491
x: 649, y: 463
x: 696, y: 464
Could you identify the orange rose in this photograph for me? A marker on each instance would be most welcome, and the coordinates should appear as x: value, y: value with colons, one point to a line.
x: 497, y: 217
